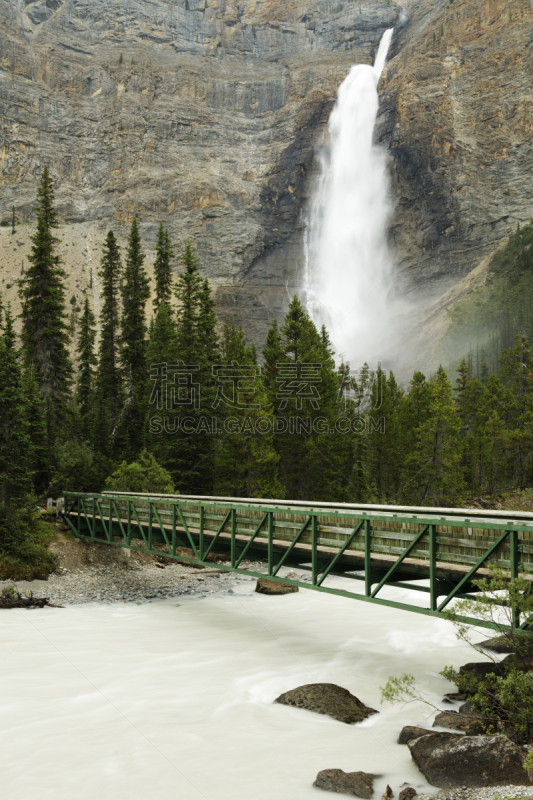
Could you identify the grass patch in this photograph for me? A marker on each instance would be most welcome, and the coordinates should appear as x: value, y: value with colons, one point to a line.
x: 518, y: 500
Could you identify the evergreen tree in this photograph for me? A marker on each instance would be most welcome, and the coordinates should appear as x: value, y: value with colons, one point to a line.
x: 37, y: 433
x: 435, y: 463
x: 135, y: 293
x: 302, y: 385
x: 162, y: 268
x: 294, y: 329
x: 516, y: 371
x: 101, y: 435
x: 198, y: 353
x: 273, y: 355
x: 361, y: 489
x: 384, y: 437
x: 86, y: 363
x: 109, y: 380
x: 469, y: 394
x: 207, y: 333
x: 189, y: 286
x: 15, y: 475
x: 161, y: 353
x: 328, y: 454
x: 246, y: 461
x: 44, y: 327
x: 493, y: 453
x: 45, y: 200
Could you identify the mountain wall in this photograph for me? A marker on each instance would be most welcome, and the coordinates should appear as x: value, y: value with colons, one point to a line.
x: 207, y: 114
x: 457, y: 119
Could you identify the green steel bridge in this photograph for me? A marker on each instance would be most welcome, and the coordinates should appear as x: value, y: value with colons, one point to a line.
x: 436, y: 552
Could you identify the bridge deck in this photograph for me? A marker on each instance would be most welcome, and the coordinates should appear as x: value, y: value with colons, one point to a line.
x: 386, y: 546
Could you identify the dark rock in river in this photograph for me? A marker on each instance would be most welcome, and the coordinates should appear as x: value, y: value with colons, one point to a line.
x: 498, y: 644
x: 455, y: 721
x: 407, y: 794
x: 360, y: 784
x: 327, y: 698
x: 450, y: 760
x: 264, y: 586
x: 410, y: 732
x: 456, y: 697
x: 480, y: 669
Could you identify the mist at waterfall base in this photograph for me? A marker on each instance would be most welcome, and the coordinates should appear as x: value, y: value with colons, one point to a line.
x: 349, y: 267
x: 174, y: 699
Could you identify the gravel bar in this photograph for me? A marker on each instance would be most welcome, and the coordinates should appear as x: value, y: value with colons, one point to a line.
x: 486, y: 793
x: 137, y: 583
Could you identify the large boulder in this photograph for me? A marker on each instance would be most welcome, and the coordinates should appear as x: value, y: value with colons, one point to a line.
x: 480, y: 669
x: 264, y: 586
x: 360, y: 784
x: 456, y: 721
x: 450, y: 760
x: 327, y: 698
x: 498, y: 644
x: 504, y: 644
x: 410, y: 732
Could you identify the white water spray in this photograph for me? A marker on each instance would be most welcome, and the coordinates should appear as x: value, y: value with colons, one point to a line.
x: 348, y: 263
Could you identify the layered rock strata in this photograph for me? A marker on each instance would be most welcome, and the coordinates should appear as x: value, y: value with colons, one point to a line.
x: 208, y: 115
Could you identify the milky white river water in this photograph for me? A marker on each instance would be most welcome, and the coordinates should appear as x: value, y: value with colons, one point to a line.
x: 173, y: 699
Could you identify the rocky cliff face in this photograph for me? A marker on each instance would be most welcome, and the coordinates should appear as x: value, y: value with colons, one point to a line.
x: 206, y: 114
x: 205, y: 117
x: 457, y: 118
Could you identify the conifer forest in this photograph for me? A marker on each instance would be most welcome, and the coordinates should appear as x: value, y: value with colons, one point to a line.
x: 184, y: 394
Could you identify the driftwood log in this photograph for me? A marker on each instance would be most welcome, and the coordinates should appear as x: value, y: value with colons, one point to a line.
x: 26, y: 602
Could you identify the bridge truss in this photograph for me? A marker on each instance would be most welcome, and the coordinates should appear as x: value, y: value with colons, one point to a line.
x: 437, y: 552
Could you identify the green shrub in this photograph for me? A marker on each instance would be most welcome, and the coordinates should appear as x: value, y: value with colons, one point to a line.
x: 503, y: 700
x: 145, y: 476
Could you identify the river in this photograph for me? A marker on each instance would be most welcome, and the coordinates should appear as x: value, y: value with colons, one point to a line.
x: 174, y: 698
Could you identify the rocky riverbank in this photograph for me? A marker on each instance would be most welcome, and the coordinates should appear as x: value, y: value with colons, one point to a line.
x: 88, y: 573
x: 487, y: 793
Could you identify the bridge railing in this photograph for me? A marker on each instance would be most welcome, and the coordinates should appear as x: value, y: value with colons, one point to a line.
x: 388, y: 546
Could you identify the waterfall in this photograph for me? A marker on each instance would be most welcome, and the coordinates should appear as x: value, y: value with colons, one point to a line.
x: 348, y: 263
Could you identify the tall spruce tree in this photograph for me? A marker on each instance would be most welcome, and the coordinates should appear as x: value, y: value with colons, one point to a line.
x: 189, y: 286
x: 437, y: 477
x: 44, y: 323
x: 246, y: 460
x: 469, y: 395
x: 109, y: 379
x: 197, y: 349
x: 135, y: 293
x: 15, y: 445
x: 161, y: 353
x: 45, y: 199
x: 385, y: 435
x: 303, y: 387
x: 85, y: 387
x: 273, y: 355
x: 162, y: 267
x: 38, y: 453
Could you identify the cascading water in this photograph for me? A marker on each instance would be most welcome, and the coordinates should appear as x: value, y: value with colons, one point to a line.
x: 348, y: 263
